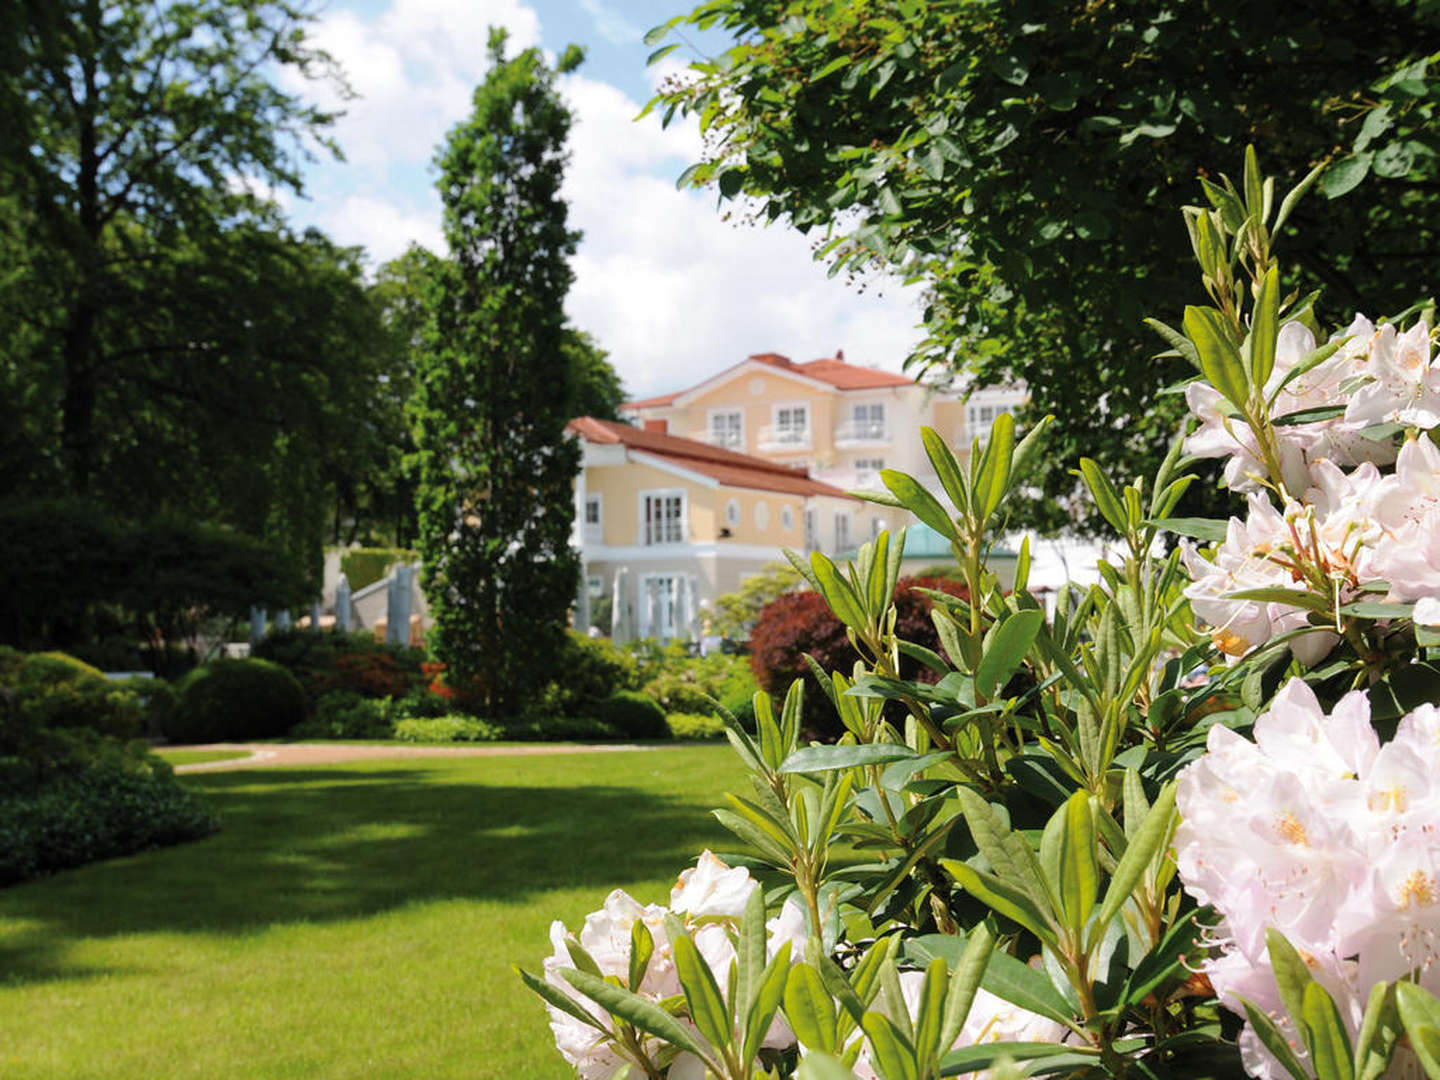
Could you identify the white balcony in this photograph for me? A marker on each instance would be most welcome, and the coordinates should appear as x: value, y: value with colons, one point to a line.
x: 729, y: 440
x: 855, y: 433
x: 776, y: 439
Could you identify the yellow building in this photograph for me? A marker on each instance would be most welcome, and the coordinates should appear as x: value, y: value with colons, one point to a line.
x: 665, y: 524
x: 841, y: 422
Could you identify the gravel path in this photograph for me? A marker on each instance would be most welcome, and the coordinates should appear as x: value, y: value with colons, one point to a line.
x: 272, y: 756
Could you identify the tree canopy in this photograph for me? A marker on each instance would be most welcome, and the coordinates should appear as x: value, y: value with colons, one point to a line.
x: 1023, y: 159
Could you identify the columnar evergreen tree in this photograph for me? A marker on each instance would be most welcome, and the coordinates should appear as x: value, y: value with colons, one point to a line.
x: 493, y: 388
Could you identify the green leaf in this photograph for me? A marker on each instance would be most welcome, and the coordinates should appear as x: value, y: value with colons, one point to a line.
x: 972, y: 1059
x: 1107, y: 500
x: 892, y: 1052
x: 1009, y: 854
x: 1001, y: 896
x: 817, y: 1066
x: 1378, y: 609
x: 1420, y: 1015
x: 1295, y: 194
x: 993, y: 480
x: 749, y: 953
x: 656, y: 34
x: 1379, y: 1032
x: 1022, y: 985
x: 1219, y: 360
x: 1200, y: 528
x: 1275, y: 595
x: 1328, y: 1041
x: 1006, y: 649
x: 642, y: 947
x: 638, y: 1011
x: 1345, y: 175
x: 837, y: 592
x: 1153, y: 832
x: 809, y: 1008
x: 662, y: 52
x: 930, y: 1017
x: 1264, y: 326
x: 1079, y: 874
x: 1291, y: 974
x: 1274, y: 1040
x: 821, y: 758
x: 965, y: 982
x: 947, y: 468
x: 918, y: 501
x: 702, y: 993
x: 559, y: 999
x: 767, y: 1000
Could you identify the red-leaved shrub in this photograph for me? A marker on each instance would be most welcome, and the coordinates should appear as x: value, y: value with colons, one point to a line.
x: 800, y: 622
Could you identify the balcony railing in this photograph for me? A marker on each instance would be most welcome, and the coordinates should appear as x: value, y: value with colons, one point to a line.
x: 861, y: 433
x: 730, y: 440
x: 774, y: 437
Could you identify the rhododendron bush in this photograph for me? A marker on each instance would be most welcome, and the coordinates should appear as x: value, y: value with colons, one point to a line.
x: 1185, y: 822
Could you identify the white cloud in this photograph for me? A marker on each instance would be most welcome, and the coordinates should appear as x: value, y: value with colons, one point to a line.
x: 669, y: 287
x: 612, y: 24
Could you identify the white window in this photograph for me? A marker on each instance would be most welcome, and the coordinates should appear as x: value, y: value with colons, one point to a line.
x: 727, y: 428
x: 867, y: 470
x: 787, y: 517
x: 982, y: 416
x: 868, y: 420
x: 762, y: 515
x: 842, y: 532
x: 732, y: 513
x: 792, y: 423
x: 660, y: 603
x: 594, y: 518
x: 812, y: 541
x: 663, y: 517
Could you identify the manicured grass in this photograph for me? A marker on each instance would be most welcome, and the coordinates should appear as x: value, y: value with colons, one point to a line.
x: 350, y: 921
x: 197, y: 757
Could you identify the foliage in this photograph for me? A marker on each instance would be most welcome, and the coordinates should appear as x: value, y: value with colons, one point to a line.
x: 52, y: 690
x: 495, y: 468
x: 632, y: 715
x: 235, y: 700
x: 801, y: 624
x: 595, y: 384
x: 592, y: 669
x: 1078, y: 858
x: 172, y: 347
x: 365, y: 566
x: 1012, y: 158
x: 452, y: 728
x: 352, y: 662
x: 555, y: 728
x: 695, y: 726
x: 736, y: 613
x: 70, y: 573
x: 692, y: 684
x: 93, y: 814
x: 344, y: 714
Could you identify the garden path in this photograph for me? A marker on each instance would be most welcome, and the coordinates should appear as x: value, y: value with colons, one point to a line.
x: 270, y: 755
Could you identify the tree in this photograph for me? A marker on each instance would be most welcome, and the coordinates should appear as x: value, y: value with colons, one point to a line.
x: 596, y: 385
x: 1022, y: 159
x: 495, y: 468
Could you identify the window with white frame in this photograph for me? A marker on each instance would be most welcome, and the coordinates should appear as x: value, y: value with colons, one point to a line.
x: 663, y: 517
x: 842, y: 532
x: 727, y: 428
x: 868, y: 420
x: 666, y: 608
x: 792, y: 423
x: 787, y: 517
x: 980, y: 417
x: 867, y: 470
x: 812, y: 531
x: 594, y: 516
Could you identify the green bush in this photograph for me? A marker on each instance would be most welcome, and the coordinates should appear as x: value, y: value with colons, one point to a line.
x: 95, y: 813
x: 633, y: 715
x: 691, y: 684
x: 695, y: 726
x: 593, y: 669
x: 453, y: 728
x: 355, y: 662
x: 562, y: 729
x: 236, y: 700
x: 344, y: 714
x: 53, y: 690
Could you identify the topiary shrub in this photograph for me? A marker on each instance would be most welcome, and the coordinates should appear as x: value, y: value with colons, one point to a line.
x: 53, y: 690
x: 594, y: 668
x: 799, y: 623
x: 633, y: 715
x: 453, y: 728
x: 344, y: 714
x: 236, y: 700
x: 695, y: 726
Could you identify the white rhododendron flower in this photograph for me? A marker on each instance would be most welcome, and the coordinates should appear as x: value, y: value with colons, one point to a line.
x: 1404, y: 386
x: 1317, y: 830
x: 710, y: 899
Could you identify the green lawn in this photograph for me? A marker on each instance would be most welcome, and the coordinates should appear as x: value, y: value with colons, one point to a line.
x: 197, y: 757
x: 350, y: 921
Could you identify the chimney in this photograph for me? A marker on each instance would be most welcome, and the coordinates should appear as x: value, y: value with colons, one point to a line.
x: 840, y: 355
x: 660, y: 427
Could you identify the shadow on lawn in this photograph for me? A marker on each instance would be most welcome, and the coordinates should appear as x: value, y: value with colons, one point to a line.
x: 327, y: 845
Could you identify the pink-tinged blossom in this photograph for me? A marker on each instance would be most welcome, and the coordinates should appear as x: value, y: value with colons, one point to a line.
x: 1317, y: 830
x: 711, y: 889
x: 1404, y: 386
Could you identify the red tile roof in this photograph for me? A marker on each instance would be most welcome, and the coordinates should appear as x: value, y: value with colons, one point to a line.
x: 730, y: 468
x: 830, y: 369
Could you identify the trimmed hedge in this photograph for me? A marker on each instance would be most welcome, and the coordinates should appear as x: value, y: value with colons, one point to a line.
x: 53, y: 690
x: 695, y: 726
x: 453, y: 728
x: 96, y: 813
x: 234, y: 701
x: 365, y: 566
x: 633, y: 715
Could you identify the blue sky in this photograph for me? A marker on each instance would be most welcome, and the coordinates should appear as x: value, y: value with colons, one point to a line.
x: 670, y: 287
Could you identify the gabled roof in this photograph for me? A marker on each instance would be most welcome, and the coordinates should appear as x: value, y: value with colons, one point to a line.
x: 831, y: 372
x: 724, y: 466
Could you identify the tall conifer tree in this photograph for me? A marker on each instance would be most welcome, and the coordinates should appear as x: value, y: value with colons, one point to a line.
x: 495, y: 467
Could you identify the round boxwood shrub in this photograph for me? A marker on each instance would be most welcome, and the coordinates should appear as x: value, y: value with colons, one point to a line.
x: 633, y: 715
x: 235, y: 700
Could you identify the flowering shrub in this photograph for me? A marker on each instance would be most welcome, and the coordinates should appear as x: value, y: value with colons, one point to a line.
x: 1079, y: 856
